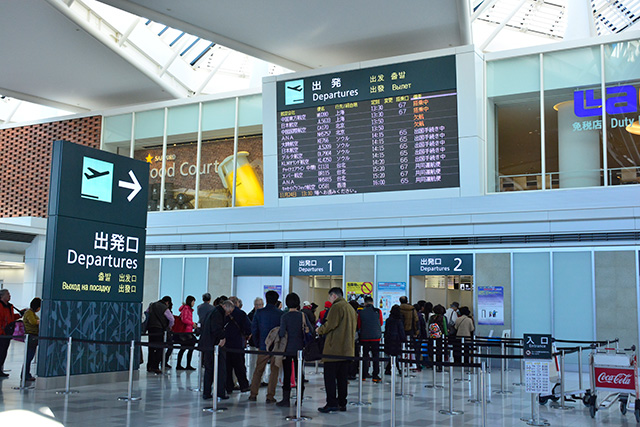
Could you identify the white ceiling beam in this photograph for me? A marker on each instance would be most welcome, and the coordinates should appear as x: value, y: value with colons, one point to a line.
x: 484, y: 6
x: 464, y: 21
x: 44, y: 101
x: 502, y: 25
x: 230, y: 43
x: 175, y: 91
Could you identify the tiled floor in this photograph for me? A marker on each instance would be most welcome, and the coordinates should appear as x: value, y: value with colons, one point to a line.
x: 166, y: 401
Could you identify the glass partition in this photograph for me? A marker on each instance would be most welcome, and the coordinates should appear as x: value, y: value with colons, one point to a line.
x: 513, y: 90
x: 573, y: 130
x: 622, y: 74
x: 190, y: 182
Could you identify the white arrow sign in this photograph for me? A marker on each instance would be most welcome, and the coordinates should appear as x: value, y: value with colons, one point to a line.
x: 134, y: 186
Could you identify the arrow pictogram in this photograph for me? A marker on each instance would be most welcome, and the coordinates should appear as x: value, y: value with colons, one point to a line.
x: 134, y: 186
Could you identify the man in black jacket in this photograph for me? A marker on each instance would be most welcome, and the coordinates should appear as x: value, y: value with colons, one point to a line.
x: 213, y: 333
x: 159, y: 321
x: 238, y: 329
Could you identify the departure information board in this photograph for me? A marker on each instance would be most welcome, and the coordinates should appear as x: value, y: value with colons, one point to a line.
x: 386, y: 128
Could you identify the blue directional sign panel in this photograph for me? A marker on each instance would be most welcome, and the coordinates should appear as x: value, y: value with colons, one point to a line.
x: 97, y: 225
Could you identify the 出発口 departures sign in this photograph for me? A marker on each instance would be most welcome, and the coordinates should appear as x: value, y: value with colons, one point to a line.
x: 97, y: 225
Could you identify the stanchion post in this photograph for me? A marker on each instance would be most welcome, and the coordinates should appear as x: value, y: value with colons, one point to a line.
x: 129, y: 397
x: 502, y: 370
x: 483, y: 392
x: 216, y: 364
x: 199, y: 387
x: 393, y: 391
x: 23, y: 379
x: 164, y: 353
x: 562, y: 405
x: 433, y: 361
x: 361, y: 367
x: 299, y: 382
x: 67, y: 390
x: 450, y: 411
x: 580, y: 368
x: 521, y: 383
x: 462, y: 379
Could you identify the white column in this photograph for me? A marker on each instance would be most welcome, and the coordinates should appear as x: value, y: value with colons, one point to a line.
x: 34, y: 268
x: 578, y: 151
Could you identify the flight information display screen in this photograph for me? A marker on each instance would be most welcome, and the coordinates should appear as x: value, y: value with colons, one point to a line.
x: 386, y: 128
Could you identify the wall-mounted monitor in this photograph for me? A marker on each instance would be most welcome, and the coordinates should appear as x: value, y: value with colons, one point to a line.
x: 387, y: 128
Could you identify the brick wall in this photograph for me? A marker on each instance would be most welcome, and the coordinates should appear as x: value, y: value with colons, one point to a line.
x: 25, y: 154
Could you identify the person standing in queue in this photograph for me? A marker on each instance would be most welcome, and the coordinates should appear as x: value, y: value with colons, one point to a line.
x: 204, y: 308
x: 339, y: 331
x: 238, y: 329
x: 160, y: 321
x: 264, y: 321
x: 292, y: 324
x: 369, y: 324
x: 213, y: 334
x: 31, y: 328
x: 6, y: 316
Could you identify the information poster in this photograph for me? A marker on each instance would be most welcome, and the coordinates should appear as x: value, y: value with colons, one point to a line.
x: 389, y: 294
x: 277, y: 288
x: 490, y: 305
x: 356, y: 291
x: 536, y: 377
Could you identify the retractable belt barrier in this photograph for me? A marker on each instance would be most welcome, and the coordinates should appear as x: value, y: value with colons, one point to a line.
x: 470, y: 347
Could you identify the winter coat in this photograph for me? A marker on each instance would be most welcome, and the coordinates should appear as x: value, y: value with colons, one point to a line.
x: 238, y: 328
x: 394, y: 336
x: 410, y: 319
x: 186, y: 317
x: 264, y: 321
x: 465, y: 326
x: 369, y: 323
x: 6, y: 315
x: 212, y: 329
x: 274, y: 342
x: 339, y: 330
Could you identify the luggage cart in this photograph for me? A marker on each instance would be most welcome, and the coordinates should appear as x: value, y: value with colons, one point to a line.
x: 555, y: 377
x: 615, y: 372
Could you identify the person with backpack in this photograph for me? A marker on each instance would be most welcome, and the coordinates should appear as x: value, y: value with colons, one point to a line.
x: 369, y: 326
x: 159, y: 320
x: 394, y: 336
x: 183, y: 329
x: 437, y: 327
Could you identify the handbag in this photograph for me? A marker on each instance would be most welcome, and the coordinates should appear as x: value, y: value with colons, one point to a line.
x: 18, y: 331
x: 311, y: 350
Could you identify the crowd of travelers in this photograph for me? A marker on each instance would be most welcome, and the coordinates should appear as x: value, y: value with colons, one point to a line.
x: 269, y: 326
x: 337, y: 329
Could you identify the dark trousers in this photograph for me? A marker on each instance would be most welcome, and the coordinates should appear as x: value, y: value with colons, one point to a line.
x: 335, y: 374
x: 417, y: 351
x: 156, y: 338
x: 208, y: 373
x: 371, y: 348
x: 185, y: 340
x: 286, y: 375
x: 235, y: 364
x: 32, y: 345
x: 4, y: 349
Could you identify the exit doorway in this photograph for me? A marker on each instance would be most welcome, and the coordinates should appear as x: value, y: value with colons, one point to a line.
x: 443, y: 290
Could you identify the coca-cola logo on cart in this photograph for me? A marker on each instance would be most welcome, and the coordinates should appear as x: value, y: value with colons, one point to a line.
x: 615, y: 378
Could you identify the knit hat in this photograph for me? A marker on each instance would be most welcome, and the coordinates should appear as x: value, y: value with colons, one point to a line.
x: 327, y: 304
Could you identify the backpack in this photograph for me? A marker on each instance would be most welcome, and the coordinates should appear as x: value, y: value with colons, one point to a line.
x: 435, y: 331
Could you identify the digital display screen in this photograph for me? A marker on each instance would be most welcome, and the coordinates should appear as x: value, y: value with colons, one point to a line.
x: 387, y: 128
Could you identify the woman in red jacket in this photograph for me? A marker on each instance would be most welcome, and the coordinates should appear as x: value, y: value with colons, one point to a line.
x: 6, y: 316
x: 185, y: 337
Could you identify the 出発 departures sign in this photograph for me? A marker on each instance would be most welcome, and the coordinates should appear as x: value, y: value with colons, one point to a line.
x: 97, y: 225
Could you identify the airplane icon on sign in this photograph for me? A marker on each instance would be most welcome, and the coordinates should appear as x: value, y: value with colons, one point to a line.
x: 95, y: 173
x: 296, y: 88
